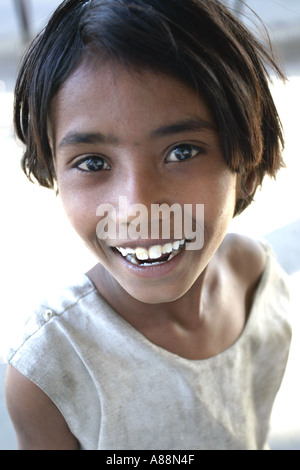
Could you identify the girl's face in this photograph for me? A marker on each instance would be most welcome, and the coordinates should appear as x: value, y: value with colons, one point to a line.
x: 150, y: 139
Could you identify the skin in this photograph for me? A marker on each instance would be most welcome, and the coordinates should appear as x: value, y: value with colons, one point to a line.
x: 198, y: 306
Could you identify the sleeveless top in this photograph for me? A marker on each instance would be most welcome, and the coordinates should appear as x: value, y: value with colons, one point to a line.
x: 118, y: 391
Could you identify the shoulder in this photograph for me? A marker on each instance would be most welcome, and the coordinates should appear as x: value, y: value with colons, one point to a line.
x: 30, y: 408
x: 244, y: 260
x: 245, y: 256
x: 55, y: 303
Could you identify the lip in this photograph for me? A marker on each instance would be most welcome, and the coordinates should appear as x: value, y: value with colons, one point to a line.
x: 148, y: 272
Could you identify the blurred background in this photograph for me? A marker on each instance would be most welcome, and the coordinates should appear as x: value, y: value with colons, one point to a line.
x: 38, y: 248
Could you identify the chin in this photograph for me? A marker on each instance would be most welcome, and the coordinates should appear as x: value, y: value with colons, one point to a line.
x: 156, y: 295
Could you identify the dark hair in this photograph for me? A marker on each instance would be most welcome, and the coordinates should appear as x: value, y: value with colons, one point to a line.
x: 196, y: 41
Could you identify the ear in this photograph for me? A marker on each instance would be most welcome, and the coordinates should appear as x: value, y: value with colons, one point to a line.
x: 251, y: 182
x: 248, y: 183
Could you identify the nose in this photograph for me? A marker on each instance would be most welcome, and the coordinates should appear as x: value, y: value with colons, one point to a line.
x: 146, y: 186
x: 143, y: 187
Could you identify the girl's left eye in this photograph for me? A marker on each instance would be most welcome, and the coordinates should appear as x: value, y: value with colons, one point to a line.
x: 183, y: 152
x: 91, y: 163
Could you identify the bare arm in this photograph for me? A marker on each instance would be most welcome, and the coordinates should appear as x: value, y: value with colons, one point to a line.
x: 38, y: 423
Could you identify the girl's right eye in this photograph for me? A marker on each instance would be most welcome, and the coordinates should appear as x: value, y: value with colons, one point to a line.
x: 92, y: 164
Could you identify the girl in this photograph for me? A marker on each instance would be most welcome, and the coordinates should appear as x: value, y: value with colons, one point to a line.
x: 159, y: 346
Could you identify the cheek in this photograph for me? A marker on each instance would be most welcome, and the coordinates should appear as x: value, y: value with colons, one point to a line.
x: 81, y: 212
x: 218, y: 193
x: 223, y: 200
x: 219, y: 199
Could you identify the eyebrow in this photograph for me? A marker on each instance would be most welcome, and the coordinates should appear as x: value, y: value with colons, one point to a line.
x: 76, y: 138
x: 186, y: 125
x: 194, y: 124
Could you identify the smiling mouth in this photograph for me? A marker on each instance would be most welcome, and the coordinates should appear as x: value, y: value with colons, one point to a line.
x: 152, y: 256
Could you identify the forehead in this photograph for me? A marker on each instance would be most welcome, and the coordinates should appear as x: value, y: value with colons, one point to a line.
x: 124, y: 101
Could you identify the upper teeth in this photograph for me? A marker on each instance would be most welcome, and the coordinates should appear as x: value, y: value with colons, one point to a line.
x: 154, y: 252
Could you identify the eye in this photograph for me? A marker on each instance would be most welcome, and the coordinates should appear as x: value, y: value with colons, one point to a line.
x: 184, y: 152
x: 91, y: 164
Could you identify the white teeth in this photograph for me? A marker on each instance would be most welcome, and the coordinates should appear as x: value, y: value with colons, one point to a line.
x: 126, y: 251
x: 132, y: 259
x: 167, y: 248
x: 154, y: 252
x: 176, y: 245
x: 141, y: 253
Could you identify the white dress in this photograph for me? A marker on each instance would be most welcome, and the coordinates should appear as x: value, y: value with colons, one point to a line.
x: 118, y: 391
